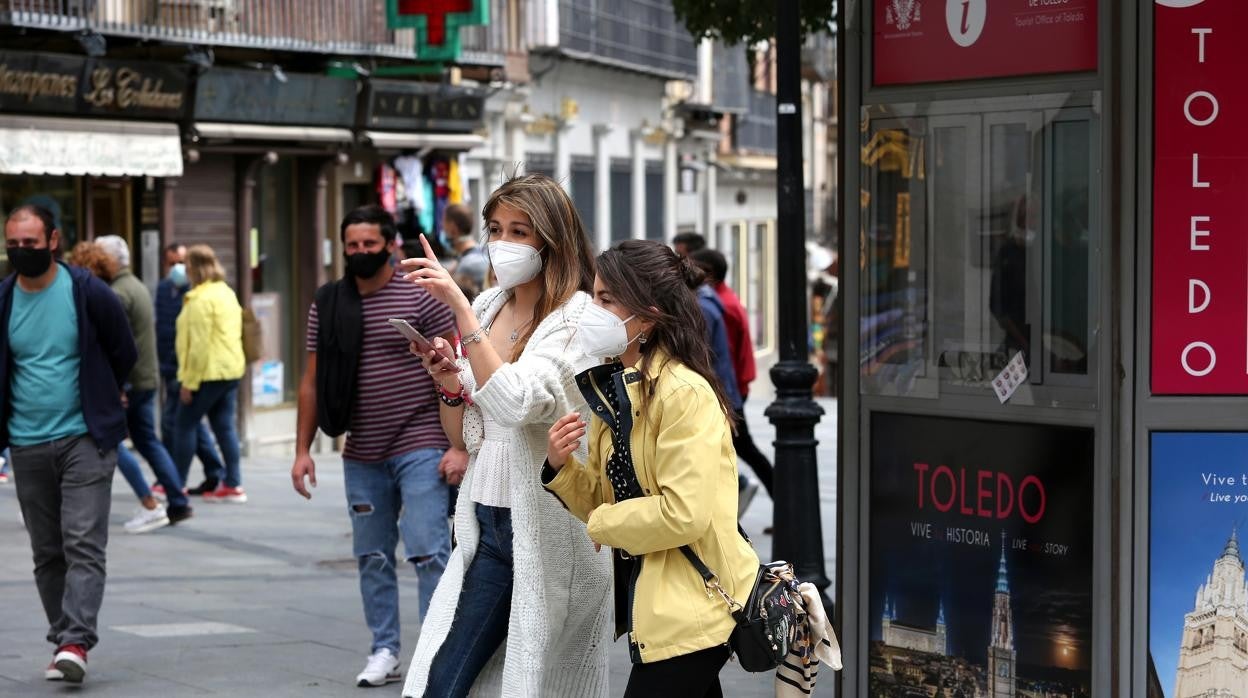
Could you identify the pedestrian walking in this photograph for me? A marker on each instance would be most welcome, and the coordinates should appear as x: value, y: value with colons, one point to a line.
x: 170, y: 293
x: 141, y: 395
x: 472, y: 263
x: 210, y: 366
x: 150, y: 514
x: 361, y: 378
x: 686, y: 244
x: 659, y: 477
x: 524, y: 576
x: 64, y: 357
x: 737, y: 323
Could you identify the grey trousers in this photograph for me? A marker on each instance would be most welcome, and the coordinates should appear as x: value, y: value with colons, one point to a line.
x: 65, y: 491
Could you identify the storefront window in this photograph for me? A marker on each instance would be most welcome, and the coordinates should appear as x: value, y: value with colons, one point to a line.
x: 272, y: 243
x: 978, y: 245
x: 57, y: 194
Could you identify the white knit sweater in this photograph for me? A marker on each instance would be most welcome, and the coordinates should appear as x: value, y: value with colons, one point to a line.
x: 561, y: 600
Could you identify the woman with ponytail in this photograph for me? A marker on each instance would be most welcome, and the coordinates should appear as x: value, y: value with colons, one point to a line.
x: 660, y: 478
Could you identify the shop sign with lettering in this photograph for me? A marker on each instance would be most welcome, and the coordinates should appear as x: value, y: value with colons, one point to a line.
x: 418, y: 106
x: 62, y: 84
x: 1200, y: 174
x: 251, y: 96
x: 918, y: 41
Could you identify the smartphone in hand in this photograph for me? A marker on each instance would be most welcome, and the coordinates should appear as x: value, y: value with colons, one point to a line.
x: 413, y: 335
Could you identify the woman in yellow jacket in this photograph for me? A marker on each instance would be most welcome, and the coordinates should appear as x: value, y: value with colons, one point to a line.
x: 661, y: 472
x: 210, y: 365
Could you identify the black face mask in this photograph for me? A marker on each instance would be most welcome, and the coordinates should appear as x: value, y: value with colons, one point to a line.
x: 30, y: 262
x: 365, y: 265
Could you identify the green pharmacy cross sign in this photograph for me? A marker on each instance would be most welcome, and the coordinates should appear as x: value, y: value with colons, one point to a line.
x: 437, y: 23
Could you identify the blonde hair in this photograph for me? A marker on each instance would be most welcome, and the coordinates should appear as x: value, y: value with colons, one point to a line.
x: 93, y: 258
x: 202, y: 265
x: 568, y: 255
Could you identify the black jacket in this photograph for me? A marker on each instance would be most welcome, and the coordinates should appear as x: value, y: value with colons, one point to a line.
x: 107, y: 350
x: 339, y: 342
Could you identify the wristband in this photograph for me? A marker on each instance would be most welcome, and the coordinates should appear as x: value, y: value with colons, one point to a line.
x: 449, y: 398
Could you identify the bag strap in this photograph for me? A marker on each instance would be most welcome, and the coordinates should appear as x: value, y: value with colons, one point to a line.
x: 711, y: 580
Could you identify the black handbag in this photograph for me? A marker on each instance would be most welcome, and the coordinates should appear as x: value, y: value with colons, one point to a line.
x: 767, y: 622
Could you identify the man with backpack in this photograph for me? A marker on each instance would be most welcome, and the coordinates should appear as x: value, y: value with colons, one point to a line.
x: 362, y: 379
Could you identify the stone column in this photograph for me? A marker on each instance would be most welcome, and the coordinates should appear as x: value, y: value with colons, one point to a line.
x: 671, y: 175
x: 602, y: 187
x: 709, y: 193
x: 639, y: 183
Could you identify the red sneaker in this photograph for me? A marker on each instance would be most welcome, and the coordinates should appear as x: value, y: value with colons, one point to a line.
x: 232, y: 495
x: 72, y: 661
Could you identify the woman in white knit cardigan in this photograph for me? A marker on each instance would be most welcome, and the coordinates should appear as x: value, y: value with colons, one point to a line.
x: 523, y: 608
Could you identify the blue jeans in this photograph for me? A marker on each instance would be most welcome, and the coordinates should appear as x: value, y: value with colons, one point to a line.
x: 129, y: 467
x: 217, y: 401
x: 205, y: 445
x: 140, y: 419
x: 481, y: 619
x: 403, y: 496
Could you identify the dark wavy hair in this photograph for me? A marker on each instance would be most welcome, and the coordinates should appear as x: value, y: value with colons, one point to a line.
x: 655, y: 284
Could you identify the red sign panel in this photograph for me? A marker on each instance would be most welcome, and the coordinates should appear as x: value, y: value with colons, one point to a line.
x: 1200, y: 183
x: 939, y: 40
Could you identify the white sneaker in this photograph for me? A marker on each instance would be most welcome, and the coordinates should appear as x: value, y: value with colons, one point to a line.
x: 383, y: 668
x: 71, y: 664
x: 145, y: 520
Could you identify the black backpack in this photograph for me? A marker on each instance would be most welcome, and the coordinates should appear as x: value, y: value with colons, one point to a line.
x: 339, y: 341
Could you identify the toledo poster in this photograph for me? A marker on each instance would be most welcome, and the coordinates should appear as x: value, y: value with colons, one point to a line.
x: 981, y: 558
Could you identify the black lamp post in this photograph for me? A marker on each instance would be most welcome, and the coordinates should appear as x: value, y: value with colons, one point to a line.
x: 798, y: 531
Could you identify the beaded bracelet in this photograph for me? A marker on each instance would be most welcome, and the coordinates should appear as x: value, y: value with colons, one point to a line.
x: 448, y: 398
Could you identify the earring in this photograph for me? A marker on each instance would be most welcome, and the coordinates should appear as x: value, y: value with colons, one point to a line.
x: 641, y: 338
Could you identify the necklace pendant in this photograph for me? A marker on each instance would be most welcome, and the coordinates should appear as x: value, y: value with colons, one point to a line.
x: 515, y: 335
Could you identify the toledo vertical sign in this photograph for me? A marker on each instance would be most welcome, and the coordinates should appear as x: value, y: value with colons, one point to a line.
x: 1200, y: 178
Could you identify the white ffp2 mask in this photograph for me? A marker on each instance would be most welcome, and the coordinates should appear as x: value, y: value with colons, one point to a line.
x: 514, y: 263
x: 602, y: 333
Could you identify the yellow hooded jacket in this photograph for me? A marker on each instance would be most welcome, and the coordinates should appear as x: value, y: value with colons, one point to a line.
x: 210, y: 336
x: 681, y: 450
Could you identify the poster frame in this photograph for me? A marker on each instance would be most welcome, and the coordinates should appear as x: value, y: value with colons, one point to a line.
x: 1111, y: 417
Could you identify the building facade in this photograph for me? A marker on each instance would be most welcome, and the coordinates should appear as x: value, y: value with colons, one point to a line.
x: 931, y: 641
x: 1213, y: 657
x: 250, y: 126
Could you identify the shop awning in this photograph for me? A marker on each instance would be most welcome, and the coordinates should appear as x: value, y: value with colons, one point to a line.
x: 399, y: 140
x: 47, y: 146
x: 262, y: 132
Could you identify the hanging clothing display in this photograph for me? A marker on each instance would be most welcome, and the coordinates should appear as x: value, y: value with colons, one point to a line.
x: 455, y: 184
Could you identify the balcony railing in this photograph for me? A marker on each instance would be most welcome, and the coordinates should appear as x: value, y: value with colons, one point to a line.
x: 348, y: 27
x: 642, y: 35
x: 756, y: 129
x: 502, y: 42
x: 819, y: 57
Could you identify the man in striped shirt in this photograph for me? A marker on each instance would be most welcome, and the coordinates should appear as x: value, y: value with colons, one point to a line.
x: 396, y: 448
